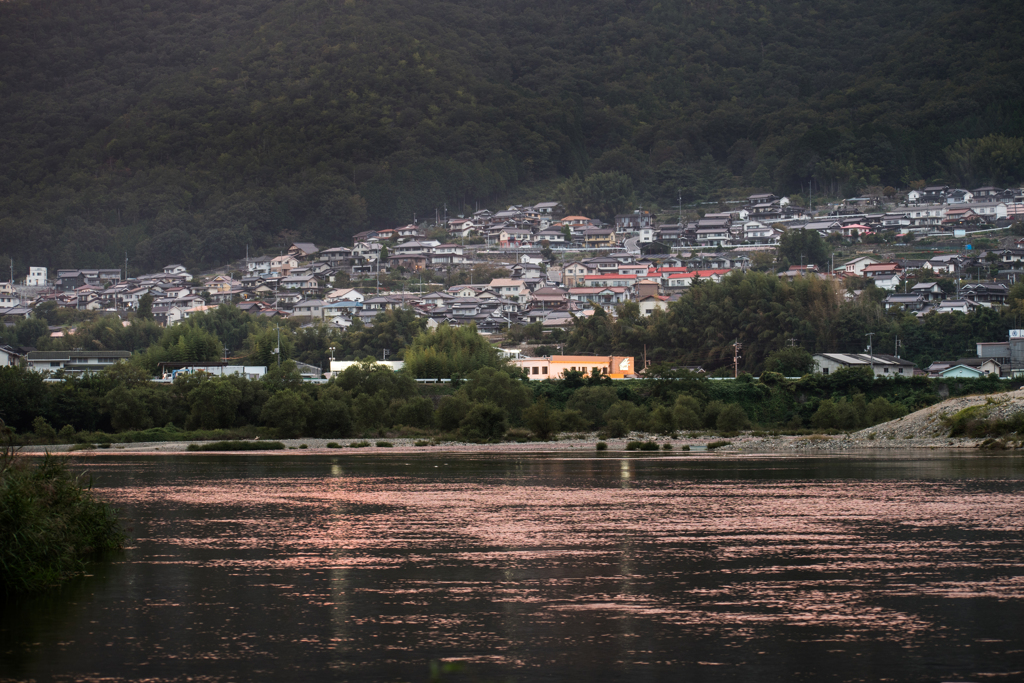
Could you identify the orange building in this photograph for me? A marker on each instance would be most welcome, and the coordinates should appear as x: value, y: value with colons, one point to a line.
x: 555, y: 367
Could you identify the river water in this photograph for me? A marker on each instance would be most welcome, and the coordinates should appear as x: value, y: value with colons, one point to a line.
x: 546, y: 568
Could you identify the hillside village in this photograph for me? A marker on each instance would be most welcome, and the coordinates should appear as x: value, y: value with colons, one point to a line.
x: 555, y: 268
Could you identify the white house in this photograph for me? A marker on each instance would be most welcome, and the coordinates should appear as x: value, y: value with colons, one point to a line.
x: 882, y: 365
x: 74, y: 362
x: 856, y: 266
x: 36, y: 277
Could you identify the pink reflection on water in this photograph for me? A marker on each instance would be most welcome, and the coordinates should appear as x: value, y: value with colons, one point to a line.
x: 743, y: 554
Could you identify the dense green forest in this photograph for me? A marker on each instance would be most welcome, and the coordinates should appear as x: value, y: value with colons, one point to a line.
x: 184, y: 130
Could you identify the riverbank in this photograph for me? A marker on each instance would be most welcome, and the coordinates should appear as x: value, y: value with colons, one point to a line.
x: 923, y: 429
x: 744, y: 443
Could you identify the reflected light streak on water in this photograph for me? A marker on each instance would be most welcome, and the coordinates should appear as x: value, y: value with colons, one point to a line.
x: 575, y: 571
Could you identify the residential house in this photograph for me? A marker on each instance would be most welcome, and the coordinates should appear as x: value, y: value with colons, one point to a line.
x: 336, y: 256
x: 905, y: 302
x: 343, y: 295
x: 990, y: 211
x: 259, y: 265
x: 650, y: 303
x: 282, y: 265
x: 549, y: 212
x: 507, y: 288
x: 882, y: 365
x: 957, y: 306
x: 37, y: 277
x: 310, y: 308
x: 856, y: 266
x: 8, y: 296
x: 934, y: 193
x: 717, y: 236
x: 11, y: 356
x: 74, y: 362
x: 573, y: 273
x: 959, y: 196
x: 985, y: 293
x: 929, y: 290
x: 885, y: 275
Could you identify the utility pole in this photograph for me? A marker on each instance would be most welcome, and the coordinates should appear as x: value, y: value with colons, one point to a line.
x: 792, y: 341
x: 278, y: 350
x: 871, y: 352
x: 736, y: 359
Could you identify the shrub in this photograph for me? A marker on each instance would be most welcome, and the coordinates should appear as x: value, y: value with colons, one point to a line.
x: 452, y: 411
x: 732, y: 418
x: 662, y: 421
x: 287, y: 411
x: 541, y: 420
x: 571, y: 421
x: 359, y: 444
x: 66, y: 434
x: 235, y: 446
x: 332, y: 444
x: 384, y: 444
x: 518, y: 434
x: 44, y: 432
x: 711, y: 412
x: 422, y: 443
x: 592, y: 403
x: 687, y: 412
x: 602, y: 446
x: 718, y: 444
x: 485, y: 422
x: 50, y: 523
x: 634, y: 445
x: 613, y: 429
x: 416, y: 412
x: 666, y: 447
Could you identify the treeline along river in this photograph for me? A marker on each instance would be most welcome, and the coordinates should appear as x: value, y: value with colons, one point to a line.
x: 712, y: 568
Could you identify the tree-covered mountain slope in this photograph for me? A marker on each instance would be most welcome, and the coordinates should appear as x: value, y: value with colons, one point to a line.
x: 187, y: 129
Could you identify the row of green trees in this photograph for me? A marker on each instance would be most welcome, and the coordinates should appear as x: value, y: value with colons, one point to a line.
x: 765, y: 313
x: 368, y: 399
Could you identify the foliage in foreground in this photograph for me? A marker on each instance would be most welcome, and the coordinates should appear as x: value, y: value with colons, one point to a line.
x: 50, y: 524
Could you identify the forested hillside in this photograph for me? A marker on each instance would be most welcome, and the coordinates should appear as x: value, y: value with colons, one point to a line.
x: 186, y: 129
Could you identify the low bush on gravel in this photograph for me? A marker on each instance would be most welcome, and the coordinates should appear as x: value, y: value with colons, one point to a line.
x: 238, y: 446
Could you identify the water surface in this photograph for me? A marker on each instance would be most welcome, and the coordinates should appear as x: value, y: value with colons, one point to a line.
x: 552, y: 568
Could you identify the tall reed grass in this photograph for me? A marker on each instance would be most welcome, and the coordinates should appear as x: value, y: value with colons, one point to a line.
x: 51, y: 522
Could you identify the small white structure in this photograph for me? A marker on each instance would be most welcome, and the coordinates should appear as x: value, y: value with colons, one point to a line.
x: 74, y: 362
x: 36, y: 277
x: 881, y: 364
x: 343, y: 365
